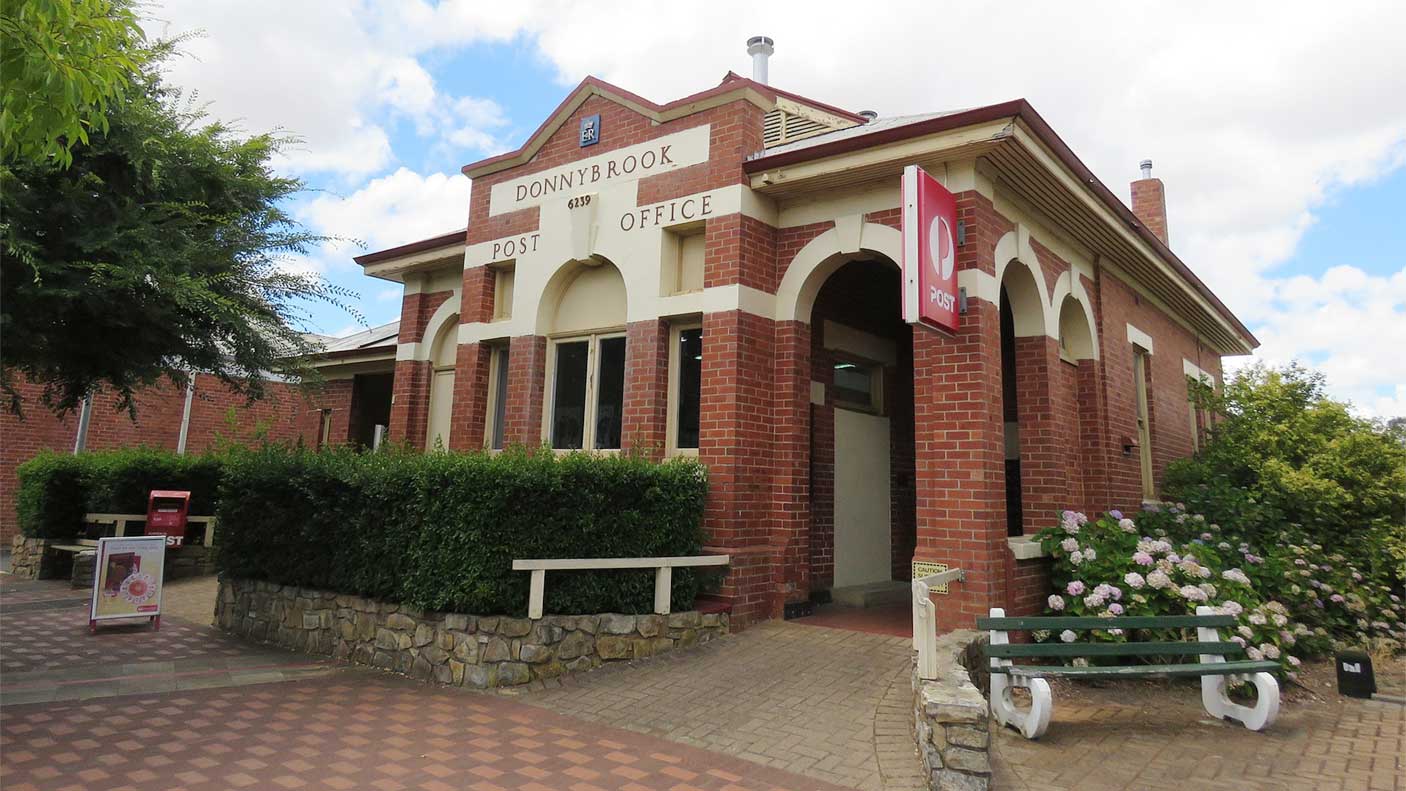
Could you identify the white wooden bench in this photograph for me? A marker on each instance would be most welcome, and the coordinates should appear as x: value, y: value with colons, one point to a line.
x: 663, y: 574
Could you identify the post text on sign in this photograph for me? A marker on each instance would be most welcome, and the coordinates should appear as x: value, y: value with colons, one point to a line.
x: 671, y: 213
x: 511, y: 248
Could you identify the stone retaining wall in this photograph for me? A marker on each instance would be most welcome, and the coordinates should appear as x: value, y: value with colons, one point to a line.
x: 27, y: 558
x: 951, y: 721
x: 451, y: 648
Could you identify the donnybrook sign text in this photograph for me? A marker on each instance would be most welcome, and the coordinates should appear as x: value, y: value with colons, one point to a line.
x: 661, y: 155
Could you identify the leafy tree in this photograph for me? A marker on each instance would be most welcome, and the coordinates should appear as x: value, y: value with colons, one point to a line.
x: 63, y: 62
x: 159, y: 251
x: 1285, y: 453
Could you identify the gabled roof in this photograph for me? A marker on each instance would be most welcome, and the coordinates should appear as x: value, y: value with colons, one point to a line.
x: 903, y: 128
x: 732, y: 88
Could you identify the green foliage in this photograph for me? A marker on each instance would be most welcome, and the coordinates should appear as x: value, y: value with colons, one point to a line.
x: 1293, y: 599
x: 52, y: 499
x: 159, y: 251
x: 57, y: 489
x: 64, y: 62
x: 440, y: 530
x: 1285, y: 454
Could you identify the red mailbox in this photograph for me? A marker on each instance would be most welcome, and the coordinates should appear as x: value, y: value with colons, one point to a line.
x: 166, y: 513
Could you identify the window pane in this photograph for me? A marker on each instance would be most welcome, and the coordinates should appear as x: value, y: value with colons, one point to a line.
x: 690, y: 386
x: 569, y: 396
x: 854, y: 384
x: 610, y: 393
x: 500, y: 396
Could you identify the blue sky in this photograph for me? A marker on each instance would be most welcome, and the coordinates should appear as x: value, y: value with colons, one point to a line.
x: 1281, y: 152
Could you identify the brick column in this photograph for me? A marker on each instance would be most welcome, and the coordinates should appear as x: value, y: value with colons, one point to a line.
x: 470, y: 410
x: 1093, y: 444
x: 410, y: 403
x: 1044, y: 486
x: 790, y: 522
x: 960, y: 461
x: 645, y: 427
x: 527, y: 372
x: 735, y: 444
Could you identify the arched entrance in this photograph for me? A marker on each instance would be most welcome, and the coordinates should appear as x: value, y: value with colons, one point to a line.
x: 583, y: 313
x: 863, y: 495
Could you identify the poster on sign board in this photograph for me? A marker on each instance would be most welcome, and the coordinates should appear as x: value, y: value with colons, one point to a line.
x: 127, y: 579
x: 929, y: 224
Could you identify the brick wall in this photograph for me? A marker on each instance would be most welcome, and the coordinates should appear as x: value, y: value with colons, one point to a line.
x: 218, y: 415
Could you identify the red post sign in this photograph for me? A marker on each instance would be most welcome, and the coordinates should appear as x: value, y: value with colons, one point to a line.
x: 929, y: 251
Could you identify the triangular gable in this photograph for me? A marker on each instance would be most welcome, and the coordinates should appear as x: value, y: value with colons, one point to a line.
x: 732, y: 88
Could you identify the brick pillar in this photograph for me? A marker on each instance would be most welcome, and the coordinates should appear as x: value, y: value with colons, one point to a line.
x: 822, y: 468
x: 527, y: 372
x: 790, y: 523
x: 734, y: 442
x: 470, y: 410
x: 960, y: 464
x: 410, y: 402
x: 1044, y: 485
x: 645, y: 420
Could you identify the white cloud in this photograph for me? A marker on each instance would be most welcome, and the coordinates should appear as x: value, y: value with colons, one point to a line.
x: 325, y: 71
x: 395, y: 209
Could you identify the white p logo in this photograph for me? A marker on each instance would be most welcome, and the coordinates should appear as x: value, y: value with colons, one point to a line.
x: 944, y: 253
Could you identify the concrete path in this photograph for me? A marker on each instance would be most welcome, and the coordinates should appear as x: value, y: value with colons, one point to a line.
x: 831, y: 704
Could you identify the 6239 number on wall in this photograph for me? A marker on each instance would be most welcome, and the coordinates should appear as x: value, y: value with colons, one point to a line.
x: 578, y: 201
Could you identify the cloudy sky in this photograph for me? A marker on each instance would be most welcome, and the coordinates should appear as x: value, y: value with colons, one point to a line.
x: 1278, y: 127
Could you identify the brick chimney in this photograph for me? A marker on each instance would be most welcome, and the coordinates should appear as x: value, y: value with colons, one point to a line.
x: 1150, y: 202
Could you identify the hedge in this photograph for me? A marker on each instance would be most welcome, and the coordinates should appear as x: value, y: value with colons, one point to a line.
x: 440, y: 530
x: 57, y: 489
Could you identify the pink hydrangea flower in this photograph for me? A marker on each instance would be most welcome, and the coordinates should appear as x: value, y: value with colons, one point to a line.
x: 1134, y: 580
x: 1193, y: 593
x: 1075, y: 588
x: 1067, y: 636
x: 1069, y: 544
x: 1235, y: 575
x: 1270, y: 650
x: 1093, y: 601
x: 1115, y: 608
x: 1127, y: 526
x: 1056, y: 602
x: 1158, y: 580
x: 1142, y: 558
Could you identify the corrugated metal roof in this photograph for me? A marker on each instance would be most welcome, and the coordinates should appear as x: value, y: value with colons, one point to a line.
x: 385, y: 335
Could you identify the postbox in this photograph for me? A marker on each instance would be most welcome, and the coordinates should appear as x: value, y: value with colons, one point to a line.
x: 166, y: 515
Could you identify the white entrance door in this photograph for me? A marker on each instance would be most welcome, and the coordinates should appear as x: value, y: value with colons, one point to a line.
x: 441, y: 407
x: 862, y: 537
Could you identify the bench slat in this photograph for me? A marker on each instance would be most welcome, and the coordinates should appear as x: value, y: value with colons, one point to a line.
x: 1176, y: 648
x: 1141, y: 671
x: 593, y: 564
x: 1094, y: 622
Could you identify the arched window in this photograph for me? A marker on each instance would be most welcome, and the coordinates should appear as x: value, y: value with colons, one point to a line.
x: 442, y: 356
x: 586, y: 358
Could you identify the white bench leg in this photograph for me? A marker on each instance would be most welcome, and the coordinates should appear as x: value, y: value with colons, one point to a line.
x: 1033, y: 722
x: 1257, y: 717
x: 1219, y: 705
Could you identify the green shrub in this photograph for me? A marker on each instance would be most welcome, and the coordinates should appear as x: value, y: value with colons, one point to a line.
x: 1293, y: 599
x: 52, y: 496
x: 119, y: 481
x: 57, y: 489
x: 440, y: 530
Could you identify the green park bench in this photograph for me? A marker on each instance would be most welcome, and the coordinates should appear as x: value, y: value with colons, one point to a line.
x: 1217, y: 664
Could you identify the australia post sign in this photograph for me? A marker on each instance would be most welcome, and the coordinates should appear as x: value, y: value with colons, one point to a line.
x: 929, y: 251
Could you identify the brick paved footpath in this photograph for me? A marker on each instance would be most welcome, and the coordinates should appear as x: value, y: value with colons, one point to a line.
x: 208, y: 712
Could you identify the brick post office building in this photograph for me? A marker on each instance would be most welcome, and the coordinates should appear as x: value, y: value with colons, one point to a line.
x: 719, y: 276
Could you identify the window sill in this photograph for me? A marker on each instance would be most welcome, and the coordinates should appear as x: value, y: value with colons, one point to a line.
x: 1025, y: 548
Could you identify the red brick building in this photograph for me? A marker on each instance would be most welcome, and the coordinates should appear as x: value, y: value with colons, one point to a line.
x: 719, y: 276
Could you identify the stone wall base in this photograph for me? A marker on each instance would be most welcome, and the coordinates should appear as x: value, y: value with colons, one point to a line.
x: 951, y: 721
x: 479, y: 651
x: 29, y: 560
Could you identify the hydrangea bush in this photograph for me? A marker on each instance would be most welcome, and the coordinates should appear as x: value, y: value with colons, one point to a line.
x: 1292, y: 600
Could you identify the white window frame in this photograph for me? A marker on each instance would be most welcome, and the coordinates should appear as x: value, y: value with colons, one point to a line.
x: 1142, y: 403
x: 588, y: 430
x: 671, y: 444
x: 324, y: 427
x: 498, y: 352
